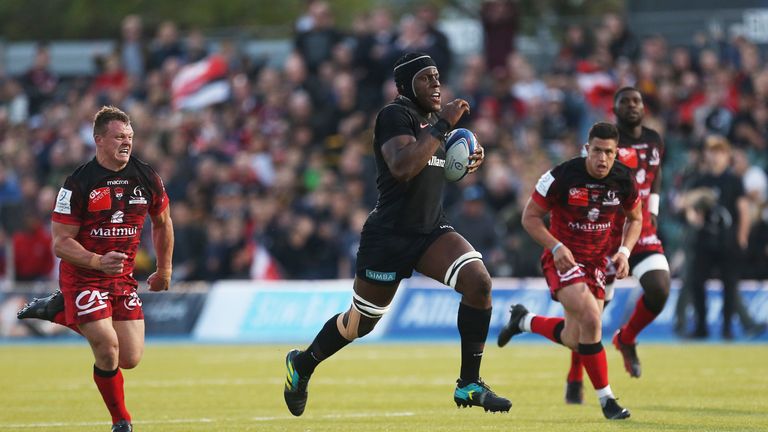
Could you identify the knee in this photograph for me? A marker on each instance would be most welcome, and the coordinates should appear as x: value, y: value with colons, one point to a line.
x: 106, y: 352
x: 475, y: 286
x: 129, y: 361
x: 590, y: 321
x: 360, y: 319
x: 656, y: 289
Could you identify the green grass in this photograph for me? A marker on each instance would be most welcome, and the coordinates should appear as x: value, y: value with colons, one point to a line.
x: 371, y: 387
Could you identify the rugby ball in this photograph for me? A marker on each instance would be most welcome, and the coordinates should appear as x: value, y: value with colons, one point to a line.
x: 459, y: 145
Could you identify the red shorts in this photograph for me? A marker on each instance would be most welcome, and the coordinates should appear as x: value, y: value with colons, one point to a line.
x: 591, y: 274
x: 94, y: 303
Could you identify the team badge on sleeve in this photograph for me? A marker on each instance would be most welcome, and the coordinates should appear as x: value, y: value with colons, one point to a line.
x: 545, y: 181
x: 64, y: 202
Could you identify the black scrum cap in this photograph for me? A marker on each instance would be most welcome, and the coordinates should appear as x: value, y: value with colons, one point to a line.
x: 406, y: 69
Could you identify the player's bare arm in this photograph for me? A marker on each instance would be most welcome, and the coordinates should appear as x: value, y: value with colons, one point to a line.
x: 406, y: 155
x: 533, y: 222
x: 67, y: 248
x: 162, y: 238
x: 632, y: 228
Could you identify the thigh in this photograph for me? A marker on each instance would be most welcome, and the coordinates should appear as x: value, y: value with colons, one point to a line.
x: 442, y: 253
x: 99, y: 333
x: 578, y: 300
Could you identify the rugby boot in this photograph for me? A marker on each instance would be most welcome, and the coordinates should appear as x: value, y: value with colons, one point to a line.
x: 122, y: 426
x: 512, y: 328
x: 477, y: 393
x: 574, y: 392
x: 44, y: 308
x: 629, y: 353
x: 295, y: 392
x: 613, y: 411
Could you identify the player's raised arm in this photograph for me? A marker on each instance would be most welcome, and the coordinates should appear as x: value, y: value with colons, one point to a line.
x: 407, y: 155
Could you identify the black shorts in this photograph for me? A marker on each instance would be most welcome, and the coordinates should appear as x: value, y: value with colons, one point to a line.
x: 386, y: 256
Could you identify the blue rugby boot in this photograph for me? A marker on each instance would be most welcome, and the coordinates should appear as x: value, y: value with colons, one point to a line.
x: 295, y: 386
x: 477, y: 393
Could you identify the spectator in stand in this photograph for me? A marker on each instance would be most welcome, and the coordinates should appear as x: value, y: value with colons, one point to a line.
x: 132, y: 50
x: 500, y: 25
x: 623, y: 43
x: 165, y: 46
x: 33, y: 248
x: 316, y: 44
x: 39, y: 81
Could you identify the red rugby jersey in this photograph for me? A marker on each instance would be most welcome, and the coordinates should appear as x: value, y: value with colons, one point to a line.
x: 110, y: 208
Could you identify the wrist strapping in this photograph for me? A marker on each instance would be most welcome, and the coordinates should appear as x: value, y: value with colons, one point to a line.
x: 624, y: 250
x: 439, y: 129
x: 556, y: 247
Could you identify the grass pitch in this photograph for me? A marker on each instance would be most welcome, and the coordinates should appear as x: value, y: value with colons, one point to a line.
x: 372, y: 387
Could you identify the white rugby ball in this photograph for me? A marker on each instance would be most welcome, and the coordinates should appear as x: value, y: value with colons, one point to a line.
x: 459, y: 145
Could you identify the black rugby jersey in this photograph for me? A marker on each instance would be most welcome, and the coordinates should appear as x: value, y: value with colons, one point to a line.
x: 110, y: 208
x: 416, y: 205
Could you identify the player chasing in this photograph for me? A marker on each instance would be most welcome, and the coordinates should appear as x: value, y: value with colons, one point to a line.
x: 97, y: 224
x: 641, y: 149
x: 583, y: 197
x: 408, y: 231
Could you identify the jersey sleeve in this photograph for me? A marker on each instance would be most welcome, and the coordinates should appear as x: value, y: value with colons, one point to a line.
x: 393, y: 121
x: 633, y: 196
x: 545, y: 192
x: 69, y: 204
x: 159, y: 196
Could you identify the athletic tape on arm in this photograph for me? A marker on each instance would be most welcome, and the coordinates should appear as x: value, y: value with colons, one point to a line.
x: 452, y: 275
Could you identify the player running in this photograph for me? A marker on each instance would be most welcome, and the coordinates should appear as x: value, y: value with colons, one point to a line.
x: 583, y: 195
x: 641, y: 149
x: 408, y: 231
x: 97, y: 225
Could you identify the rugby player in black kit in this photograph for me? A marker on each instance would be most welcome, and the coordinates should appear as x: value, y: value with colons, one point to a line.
x: 408, y: 231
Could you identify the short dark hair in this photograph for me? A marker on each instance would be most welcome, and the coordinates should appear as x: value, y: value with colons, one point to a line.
x: 622, y: 90
x: 603, y: 130
x: 105, y: 115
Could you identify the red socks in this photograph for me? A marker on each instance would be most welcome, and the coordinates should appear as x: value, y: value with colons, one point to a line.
x: 640, y: 319
x: 576, y: 373
x: 593, y: 357
x: 550, y: 328
x: 110, y: 384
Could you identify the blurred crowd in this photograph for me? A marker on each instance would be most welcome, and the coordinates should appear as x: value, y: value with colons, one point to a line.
x: 277, y: 180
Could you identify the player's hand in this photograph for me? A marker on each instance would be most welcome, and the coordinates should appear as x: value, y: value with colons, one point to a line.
x: 160, y: 280
x: 564, y: 260
x: 453, y: 111
x: 654, y: 221
x: 477, y: 159
x: 621, y: 263
x: 111, y: 262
